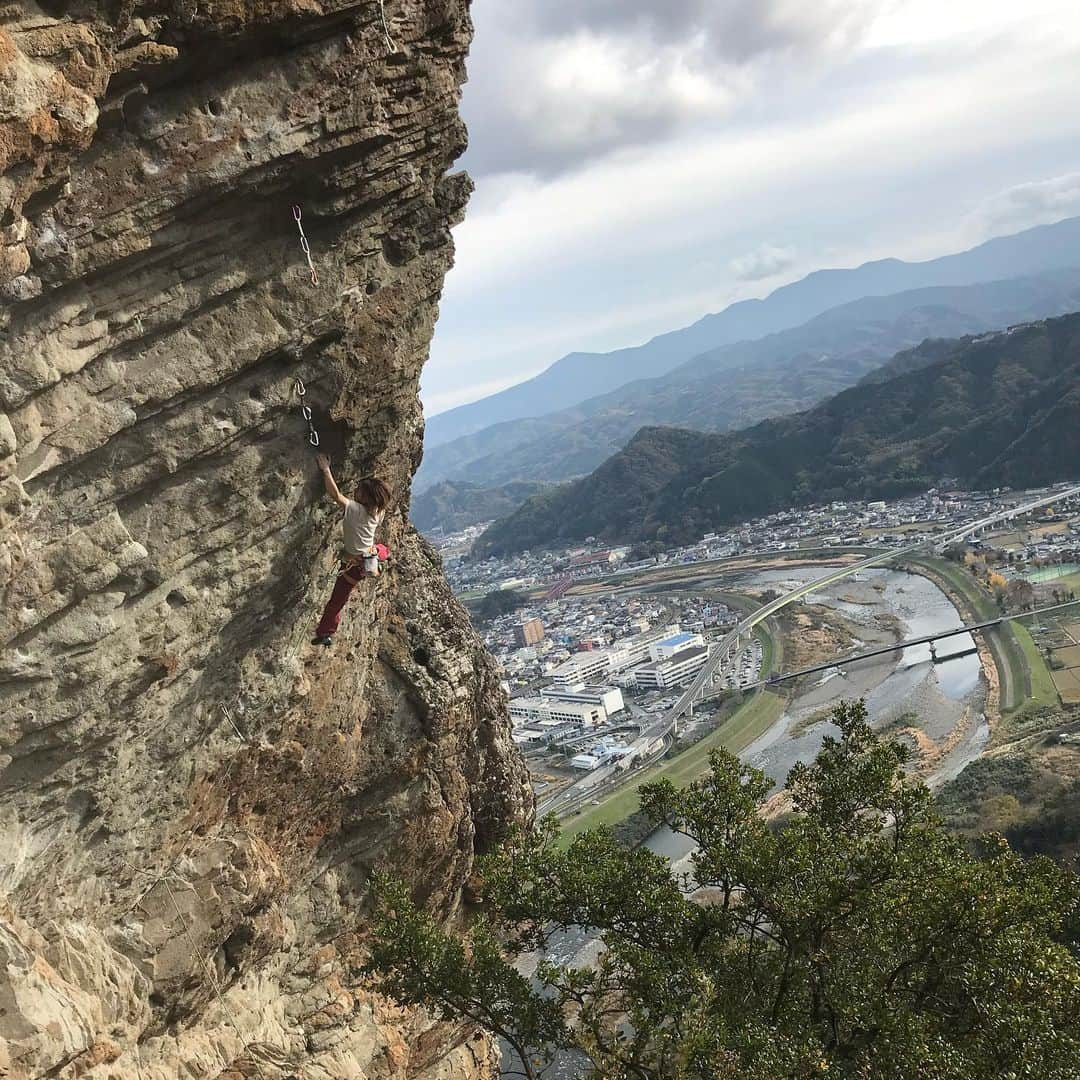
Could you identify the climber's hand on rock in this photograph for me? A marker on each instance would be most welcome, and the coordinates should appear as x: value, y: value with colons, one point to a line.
x: 323, y: 462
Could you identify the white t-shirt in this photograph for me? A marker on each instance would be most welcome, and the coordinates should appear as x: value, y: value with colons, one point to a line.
x: 359, y: 527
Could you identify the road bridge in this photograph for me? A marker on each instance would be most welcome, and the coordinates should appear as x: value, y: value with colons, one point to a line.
x: 732, y: 643
x: 929, y: 639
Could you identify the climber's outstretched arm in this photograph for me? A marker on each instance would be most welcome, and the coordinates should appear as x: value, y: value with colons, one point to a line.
x: 329, y: 482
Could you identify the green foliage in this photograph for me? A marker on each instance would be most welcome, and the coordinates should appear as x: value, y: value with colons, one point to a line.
x: 962, y: 800
x: 857, y: 938
x: 496, y: 603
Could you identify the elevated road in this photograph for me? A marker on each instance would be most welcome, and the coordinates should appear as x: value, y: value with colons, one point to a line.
x: 729, y: 646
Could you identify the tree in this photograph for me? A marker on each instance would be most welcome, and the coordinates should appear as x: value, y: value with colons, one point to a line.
x: 498, y: 602
x: 856, y: 938
x: 956, y: 552
x: 1021, y: 594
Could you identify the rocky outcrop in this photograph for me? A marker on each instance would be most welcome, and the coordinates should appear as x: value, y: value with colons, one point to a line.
x: 193, y: 798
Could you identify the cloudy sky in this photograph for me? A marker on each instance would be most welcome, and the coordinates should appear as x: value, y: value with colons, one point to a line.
x: 639, y: 163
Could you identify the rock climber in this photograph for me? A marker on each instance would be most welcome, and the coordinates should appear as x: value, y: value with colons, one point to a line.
x: 364, y: 513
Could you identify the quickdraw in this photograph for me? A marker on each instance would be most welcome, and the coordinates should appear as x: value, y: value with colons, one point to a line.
x: 306, y: 413
x: 298, y: 214
x: 391, y: 46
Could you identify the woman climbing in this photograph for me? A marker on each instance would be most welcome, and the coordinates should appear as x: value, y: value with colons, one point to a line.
x: 364, y: 513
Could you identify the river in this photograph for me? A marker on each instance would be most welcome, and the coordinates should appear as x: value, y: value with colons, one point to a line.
x: 948, y: 697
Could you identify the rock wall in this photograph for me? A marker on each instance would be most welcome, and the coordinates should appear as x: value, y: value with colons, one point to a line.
x: 192, y: 797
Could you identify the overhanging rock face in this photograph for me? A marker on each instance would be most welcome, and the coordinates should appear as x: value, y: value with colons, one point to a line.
x: 192, y: 798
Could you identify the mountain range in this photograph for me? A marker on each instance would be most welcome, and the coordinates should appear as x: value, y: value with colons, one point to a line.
x: 580, y: 376
x: 735, y: 385
x: 990, y: 410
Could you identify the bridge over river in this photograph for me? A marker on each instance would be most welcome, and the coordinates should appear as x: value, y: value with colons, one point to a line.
x: 652, y: 742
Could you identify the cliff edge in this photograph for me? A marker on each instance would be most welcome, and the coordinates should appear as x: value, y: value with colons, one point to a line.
x: 193, y: 797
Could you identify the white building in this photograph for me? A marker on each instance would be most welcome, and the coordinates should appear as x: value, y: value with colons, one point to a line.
x: 668, y: 647
x: 597, y: 664
x: 547, y: 712
x: 661, y: 674
x: 608, y: 697
x: 637, y: 648
x: 583, y: 667
x: 603, y: 754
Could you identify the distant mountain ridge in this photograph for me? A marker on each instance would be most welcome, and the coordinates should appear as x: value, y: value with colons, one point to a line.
x: 580, y: 376
x: 991, y: 410
x: 453, y: 506
x: 739, y: 384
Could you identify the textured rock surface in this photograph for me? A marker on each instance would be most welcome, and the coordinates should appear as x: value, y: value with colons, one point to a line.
x: 182, y: 889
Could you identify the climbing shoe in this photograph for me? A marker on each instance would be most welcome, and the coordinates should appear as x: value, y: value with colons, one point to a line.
x: 322, y: 639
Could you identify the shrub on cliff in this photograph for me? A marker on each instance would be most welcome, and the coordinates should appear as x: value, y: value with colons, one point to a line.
x: 858, y: 938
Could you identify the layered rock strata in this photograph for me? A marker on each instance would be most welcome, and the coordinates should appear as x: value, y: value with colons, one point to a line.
x: 193, y: 797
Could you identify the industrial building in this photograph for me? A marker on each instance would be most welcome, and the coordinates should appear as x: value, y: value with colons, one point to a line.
x: 662, y: 674
x: 543, y: 731
x: 541, y: 711
x: 602, y: 754
x: 608, y: 697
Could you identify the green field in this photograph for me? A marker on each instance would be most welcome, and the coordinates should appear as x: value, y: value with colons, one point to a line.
x: 772, y: 649
x: 1042, y: 690
x: 750, y: 720
x: 1070, y: 582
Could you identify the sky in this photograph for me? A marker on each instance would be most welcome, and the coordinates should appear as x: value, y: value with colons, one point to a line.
x: 641, y: 163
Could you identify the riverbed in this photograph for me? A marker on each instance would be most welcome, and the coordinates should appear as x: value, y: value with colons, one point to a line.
x: 946, y: 700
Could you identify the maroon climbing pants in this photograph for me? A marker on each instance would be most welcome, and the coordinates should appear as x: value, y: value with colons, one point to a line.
x: 343, y: 588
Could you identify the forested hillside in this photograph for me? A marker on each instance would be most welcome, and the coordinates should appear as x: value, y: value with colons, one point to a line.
x: 454, y: 506
x: 999, y: 409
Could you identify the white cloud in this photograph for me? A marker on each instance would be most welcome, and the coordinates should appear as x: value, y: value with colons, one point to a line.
x: 1039, y: 202
x: 555, y: 83
x: 885, y: 149
x: 765, y: 262
x: 706, y: 187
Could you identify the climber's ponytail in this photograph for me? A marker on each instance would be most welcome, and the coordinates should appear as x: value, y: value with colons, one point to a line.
x: 372, y: 494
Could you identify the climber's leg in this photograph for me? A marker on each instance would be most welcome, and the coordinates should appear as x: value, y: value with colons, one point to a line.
x: 331, y: 616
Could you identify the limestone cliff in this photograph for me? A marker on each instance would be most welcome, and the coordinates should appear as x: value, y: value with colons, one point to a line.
x: 193, y: 797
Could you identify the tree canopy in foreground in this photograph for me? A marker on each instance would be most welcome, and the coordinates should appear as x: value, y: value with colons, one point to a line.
x: 856, y: 938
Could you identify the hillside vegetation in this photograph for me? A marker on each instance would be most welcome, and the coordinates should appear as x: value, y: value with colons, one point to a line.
x: 456, y: 505
x: 855, y: 939
x: 990, y: 411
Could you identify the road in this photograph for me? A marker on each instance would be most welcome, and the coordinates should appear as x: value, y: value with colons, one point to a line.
x: 593, y: 784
